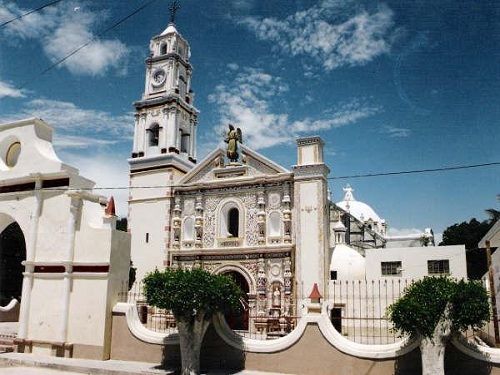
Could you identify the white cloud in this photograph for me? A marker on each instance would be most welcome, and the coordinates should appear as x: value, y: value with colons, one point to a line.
x: 78, y: 127
x: 245, y: 102
x: 7, y: 90
x: 320, y: 33
x: 403, y: 231
x: 109, y: 171
x: 395, y: 132
x: 242, y: 4
x: 233, y: 66
x: 60, y: 30
x: 72, y: 141
x: 66, y: 116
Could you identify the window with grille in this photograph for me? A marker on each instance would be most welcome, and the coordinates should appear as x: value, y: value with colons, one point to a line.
x: 391, y: 268
x: 438, y: 267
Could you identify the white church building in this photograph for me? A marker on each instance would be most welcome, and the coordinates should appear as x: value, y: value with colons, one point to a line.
x: 274, y: 229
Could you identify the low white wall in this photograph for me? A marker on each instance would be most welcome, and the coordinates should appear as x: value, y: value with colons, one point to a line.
x: 414, y: 260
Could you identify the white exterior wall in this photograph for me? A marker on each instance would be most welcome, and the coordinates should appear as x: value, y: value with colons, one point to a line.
x: 414, y: 260
x: 149, y: 212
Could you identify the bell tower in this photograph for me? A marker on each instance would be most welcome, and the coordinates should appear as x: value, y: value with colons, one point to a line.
x: 164, y: 146
x: 166, y: 119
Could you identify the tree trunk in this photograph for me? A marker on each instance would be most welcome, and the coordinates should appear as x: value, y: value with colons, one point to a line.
x: 191, y: 333
x: 433, y: 349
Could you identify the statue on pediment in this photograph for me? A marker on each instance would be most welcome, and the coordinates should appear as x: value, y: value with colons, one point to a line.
x: 233, y: 136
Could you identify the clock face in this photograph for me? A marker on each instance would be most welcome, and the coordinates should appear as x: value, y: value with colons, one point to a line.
x: 159, y: 77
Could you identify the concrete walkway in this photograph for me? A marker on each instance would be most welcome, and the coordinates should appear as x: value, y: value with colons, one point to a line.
x: 30, y: 364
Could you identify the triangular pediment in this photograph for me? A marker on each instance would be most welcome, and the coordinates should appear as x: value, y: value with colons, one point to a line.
x: 215, y: 167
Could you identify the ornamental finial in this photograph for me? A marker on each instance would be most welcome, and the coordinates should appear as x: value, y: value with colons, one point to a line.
x: 174, y: 7
x: 348, y: 193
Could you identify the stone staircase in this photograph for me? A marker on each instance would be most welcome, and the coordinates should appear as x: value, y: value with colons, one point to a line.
x: 7, y: 342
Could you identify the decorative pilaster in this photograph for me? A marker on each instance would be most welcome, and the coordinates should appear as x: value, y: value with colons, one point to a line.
x: 74, y: 214
x: 261, y: 218
x: 198, y: 224
x: 30, y: 257
x: 176, y: 224
x: 287, y: 215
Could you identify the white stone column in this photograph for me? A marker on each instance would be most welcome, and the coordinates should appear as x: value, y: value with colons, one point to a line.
x: 30, y: 257
x: 74, y: 213
x: 164, y: 129
x: 135, y: 147
x: 191, y: 139
x: 195, y: 129
x: 171, y: 128
x: 142, y: 139
x: 311, y: 219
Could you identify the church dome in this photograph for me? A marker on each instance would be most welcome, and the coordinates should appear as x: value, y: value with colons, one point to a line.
x: 359, y: 210
x: 349, y: 264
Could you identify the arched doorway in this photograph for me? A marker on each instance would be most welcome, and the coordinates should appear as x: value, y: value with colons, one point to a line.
x: 12, y: 253
x: 238, y: 321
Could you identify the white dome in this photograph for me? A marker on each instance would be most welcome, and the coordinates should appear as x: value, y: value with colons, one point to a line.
x: 359, y: 210
x: 349, y: 264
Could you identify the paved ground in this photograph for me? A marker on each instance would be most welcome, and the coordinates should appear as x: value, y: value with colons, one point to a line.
x: 30, y: 364
x: 33, y: 371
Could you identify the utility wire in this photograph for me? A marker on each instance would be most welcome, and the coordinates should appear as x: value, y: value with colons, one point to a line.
x: 442, y: 169
x: 416, y: 171
x: 29, y: 12
x: 90, y: 41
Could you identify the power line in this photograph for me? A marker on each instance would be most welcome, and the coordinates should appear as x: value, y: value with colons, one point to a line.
x: 416, y: 171
x: 442, y: 169
x: 29, y: 12
x: 90, y: 41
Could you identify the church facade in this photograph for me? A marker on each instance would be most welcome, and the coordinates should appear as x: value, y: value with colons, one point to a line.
x: 234, y: 212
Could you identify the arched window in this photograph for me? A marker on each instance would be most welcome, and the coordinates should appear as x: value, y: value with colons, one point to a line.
x: 188, y: 232
x: 163, y: 49
x: 154, y: 134
x: 233, y: 222
x: 184, y: 142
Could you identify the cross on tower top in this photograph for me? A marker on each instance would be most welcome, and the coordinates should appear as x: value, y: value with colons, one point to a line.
x: 174, y: 7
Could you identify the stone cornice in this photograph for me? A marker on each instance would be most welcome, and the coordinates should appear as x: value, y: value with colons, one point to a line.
x: 170, y: 56
x: 167, y: 99
x: 310, y: 171
x: 304, y: 141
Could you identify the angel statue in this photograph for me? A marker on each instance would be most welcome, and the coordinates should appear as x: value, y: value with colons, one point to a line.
x: 232, y: 138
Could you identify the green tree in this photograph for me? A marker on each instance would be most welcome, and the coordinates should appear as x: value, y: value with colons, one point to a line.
x: 434, y: 308
x: 122, y: 224
x: 193, y: 297
x: 466, y: 233
x: 469, y: 234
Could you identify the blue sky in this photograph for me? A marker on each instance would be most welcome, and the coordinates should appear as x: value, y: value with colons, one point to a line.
x: 390, y: 86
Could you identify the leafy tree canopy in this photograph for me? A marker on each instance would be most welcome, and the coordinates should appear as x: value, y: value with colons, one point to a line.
x: 187, y: 293
x: 418, y: 312
x: 467, y: 233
